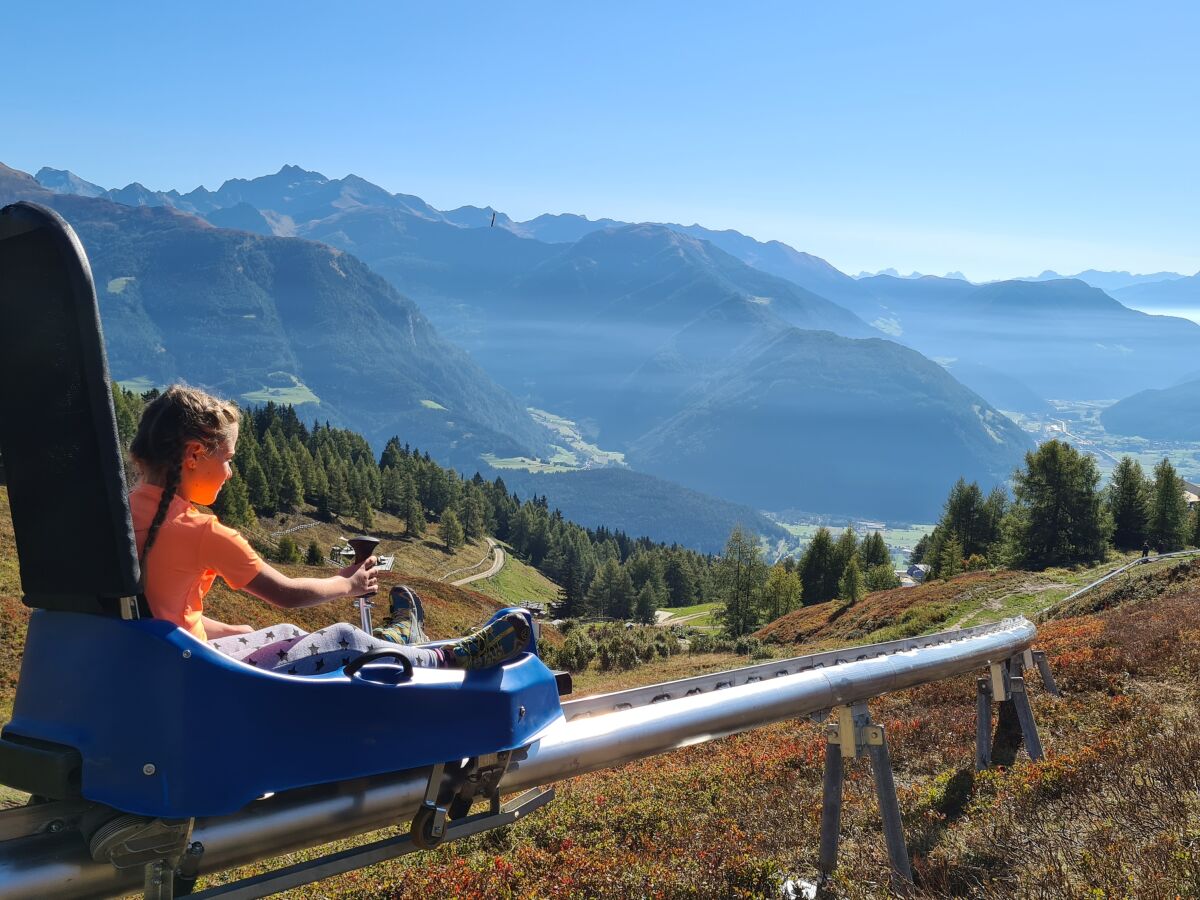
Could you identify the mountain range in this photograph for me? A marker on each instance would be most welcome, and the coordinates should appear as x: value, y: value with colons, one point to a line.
x: 258, y: 317
x: 706, y: 356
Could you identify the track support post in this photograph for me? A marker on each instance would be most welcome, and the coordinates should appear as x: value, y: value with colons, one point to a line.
x: 1020, y: 700
x: 1043, y: 667
x: 853, y: 736
x: 983, y: 724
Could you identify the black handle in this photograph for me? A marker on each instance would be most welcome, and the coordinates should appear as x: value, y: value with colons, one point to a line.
x: 371, y: 655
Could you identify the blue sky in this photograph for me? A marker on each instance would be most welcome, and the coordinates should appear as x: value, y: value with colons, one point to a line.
x: 995, y: 139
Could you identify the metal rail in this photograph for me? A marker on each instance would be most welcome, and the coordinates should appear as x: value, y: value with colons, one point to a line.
x: 601, y: 733
x: 1145, y: 560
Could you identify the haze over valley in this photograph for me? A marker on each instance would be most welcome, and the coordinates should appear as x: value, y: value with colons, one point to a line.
x: 743, y: 370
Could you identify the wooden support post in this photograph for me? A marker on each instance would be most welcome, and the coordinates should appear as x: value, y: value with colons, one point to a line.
x: 983, y: 724
x: 831, y: 810
x: 1043, y: 667
x: 889, y: 809
x: 1033, y: 743
x: 855, y: 736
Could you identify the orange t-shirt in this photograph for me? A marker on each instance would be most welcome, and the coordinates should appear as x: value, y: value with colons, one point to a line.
x: 191, y: 549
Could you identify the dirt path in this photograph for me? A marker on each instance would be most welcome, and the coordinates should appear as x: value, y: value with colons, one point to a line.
x: 496, y: 566
x: 673, y: 620
x: 995, y: 604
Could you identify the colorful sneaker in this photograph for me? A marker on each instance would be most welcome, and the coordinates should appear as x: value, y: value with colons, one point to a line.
x: 406, y: 618
x: 496, y: 642
x: 407, y: 601
x: 399, y: 632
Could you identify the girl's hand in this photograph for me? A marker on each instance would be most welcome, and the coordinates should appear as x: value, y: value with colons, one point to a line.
x: 362, y: 577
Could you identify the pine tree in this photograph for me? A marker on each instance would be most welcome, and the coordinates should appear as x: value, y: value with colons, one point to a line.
x: 645, y: 606
x: 392, y: 487
x: 741, y: 575
x: 1128, y: 502
x: 414, y: 517
x: 258, y: 489
x: 951, y: 561
x: 232, y: 505
x: 845, y: 548
x: 452, y: 531
x: 366, y: 515
x: 472, y: 516
x: 817, y: 572
x: 782, y: 592
x: 288, y: 552
x: 314, y: 557
x: 874, y: 551
x: 1168, y: 509
x: 291, y: 486
x: 850, y: 586
x: 603, y: 595
x: 881, y: 578
x: 1056, y: 517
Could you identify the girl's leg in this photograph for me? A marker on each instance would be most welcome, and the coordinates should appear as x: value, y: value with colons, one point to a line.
x: 240, y: 646
x: 328, y: 649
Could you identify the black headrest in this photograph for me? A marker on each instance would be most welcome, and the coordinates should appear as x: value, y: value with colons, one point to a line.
x: 58, y: 433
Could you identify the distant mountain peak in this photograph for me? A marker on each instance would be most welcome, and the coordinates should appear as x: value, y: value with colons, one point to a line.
x: 298, y: 171
x: 63, y: 181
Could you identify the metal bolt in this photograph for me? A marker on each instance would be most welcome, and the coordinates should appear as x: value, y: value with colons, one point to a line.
x: 148, y: 769
x: 187, y: 654
x: 521, y: 712
x: 55, y: 827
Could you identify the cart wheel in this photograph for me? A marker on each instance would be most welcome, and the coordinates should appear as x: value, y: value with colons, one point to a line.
x: 458, y: 808
x: 422, y: 829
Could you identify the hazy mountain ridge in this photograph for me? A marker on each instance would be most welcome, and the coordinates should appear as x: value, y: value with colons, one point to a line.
x: 240, y: 313
x: 1063, y: 339
x: 1107, y: 281
x: 889, y: 422
x: 1169, y: 414
x: 624, y: 327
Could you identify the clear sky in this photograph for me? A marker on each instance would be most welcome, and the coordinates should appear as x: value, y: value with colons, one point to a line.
x: 995, y: 139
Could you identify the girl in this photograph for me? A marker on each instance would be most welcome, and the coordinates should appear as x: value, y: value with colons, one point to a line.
x: 183, y: 448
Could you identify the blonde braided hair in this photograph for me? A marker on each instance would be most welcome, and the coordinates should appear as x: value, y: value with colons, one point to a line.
x: 178, y: 415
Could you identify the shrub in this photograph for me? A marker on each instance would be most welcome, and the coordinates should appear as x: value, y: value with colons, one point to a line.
x: 975, y: 562
x: 576, y: 652
x: 747, y: 646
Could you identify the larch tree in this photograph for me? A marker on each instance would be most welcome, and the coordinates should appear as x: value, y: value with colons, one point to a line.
x: 1128, y: 502
x: 1168, y: 525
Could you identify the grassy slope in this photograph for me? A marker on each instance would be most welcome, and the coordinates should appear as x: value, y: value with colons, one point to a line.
x: 517, y: 583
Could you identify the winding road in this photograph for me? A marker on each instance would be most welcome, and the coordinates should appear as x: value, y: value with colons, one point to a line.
x: 496, y: 566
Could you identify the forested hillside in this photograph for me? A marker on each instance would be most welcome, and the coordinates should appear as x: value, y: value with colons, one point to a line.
x: 283, y: 465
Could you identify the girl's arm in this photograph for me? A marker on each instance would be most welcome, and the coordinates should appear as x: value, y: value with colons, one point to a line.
x: 291, y: 593
x: 215, y: 629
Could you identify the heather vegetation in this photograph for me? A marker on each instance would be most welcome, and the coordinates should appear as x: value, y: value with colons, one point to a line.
x: 739, y: 816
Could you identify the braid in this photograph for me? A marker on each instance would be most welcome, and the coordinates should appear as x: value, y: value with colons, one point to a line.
x: 164, y: 504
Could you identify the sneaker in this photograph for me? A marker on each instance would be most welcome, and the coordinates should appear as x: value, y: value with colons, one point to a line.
x: 496, y: 642
x: 406, y: 618
x: 406, y: 601
x: 398, y: 632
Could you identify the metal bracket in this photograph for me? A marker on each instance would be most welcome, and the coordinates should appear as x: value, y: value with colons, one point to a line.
x: 853, y: 731
x: 999, y: 675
